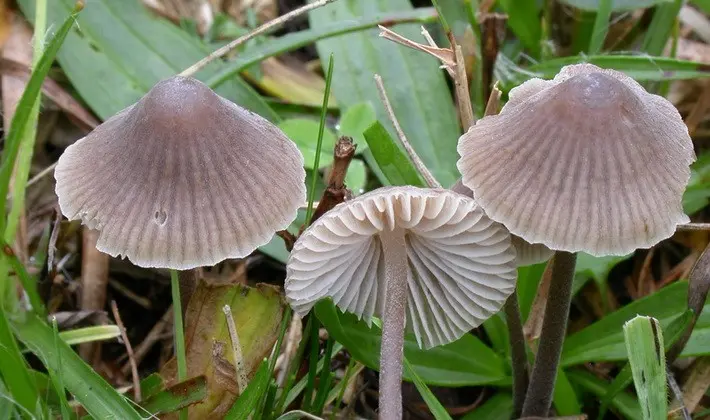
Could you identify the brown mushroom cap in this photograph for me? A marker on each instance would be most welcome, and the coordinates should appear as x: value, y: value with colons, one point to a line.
x: 183, y: 178
x: 526, y: 253
x: 588, y: 161
x: 460, y: 263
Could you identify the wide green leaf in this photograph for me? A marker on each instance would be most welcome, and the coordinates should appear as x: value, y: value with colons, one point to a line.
x: 617, y: 5
x: 295, y: 40
x: 390, y: 158
x: 121, y: 50
x: 354, y: 121
x: 498, y: 407
x: 415, y: 85
x: 449, y: 365
x: 304, y: 133
x: 524, y: 20
x: 639, y: 67
x: 604, y: 340
x: 624, y: 403
x: 644, y: 343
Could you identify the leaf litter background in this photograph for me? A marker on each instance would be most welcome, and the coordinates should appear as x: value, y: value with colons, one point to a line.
x: 119, y: 50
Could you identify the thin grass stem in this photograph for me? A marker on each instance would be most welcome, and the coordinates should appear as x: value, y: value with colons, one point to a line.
x: 179, y: 333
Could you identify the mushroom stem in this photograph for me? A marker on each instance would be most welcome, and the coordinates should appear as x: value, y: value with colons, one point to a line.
x: 518, y: 353
x: 554, y: 327
x: 392, y: 347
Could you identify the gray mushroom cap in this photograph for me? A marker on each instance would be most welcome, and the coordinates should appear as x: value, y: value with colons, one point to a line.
x: 183, y: 178
x: 588, y: 162
x: 461, y: 265
x: 526, y: 253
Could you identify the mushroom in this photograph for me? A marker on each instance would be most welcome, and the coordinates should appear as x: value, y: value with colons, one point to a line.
x: 588, y: 161
x: 427, y: 259
x: 526, y: 253
x: 181, y: 179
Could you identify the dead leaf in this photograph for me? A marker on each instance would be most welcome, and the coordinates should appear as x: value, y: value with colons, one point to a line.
x: 291, y: 82
x: 257, y: 313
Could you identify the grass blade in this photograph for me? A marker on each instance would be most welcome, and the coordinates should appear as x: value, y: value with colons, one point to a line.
x: 179, y: 332
x: 27, y: 144
x: 661, y: 26
x: 90, y: 389
x: 437, y: 410
x: 12, y: 365
x: 177, y: 396
x: 57, y: 377
x: 24, y: 107
x: 319, y: 145
x: 601, y: 26
x: 296, y: 40
x: 644, y: 343
x: 248, y: 401
x: 90, y: 334
x: 28, y: 283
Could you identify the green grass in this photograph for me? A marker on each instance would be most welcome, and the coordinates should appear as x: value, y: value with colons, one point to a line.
x: 422, y: 100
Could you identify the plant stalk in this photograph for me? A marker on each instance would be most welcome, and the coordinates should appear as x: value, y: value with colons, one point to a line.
x: 394, y: 318
x: 518, y: 353
x: 554, y: 327
x: 179, y: 333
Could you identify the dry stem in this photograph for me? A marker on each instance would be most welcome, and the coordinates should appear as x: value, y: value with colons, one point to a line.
x: 154, y: 335
x: 129, y: 350
x: 336, y: 192
x: 272, y: 24
x: 236, y: 349
x: 428, y: 177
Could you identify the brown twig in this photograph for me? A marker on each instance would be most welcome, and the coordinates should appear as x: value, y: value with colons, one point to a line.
x: 94, y: 280
x: 129, y: 350
x: 154, y: 335
x: 268, y: 26
x: 492, y: 33
x: 453, y: 62
x: 336, y: 191
x: 288, y: 237
x: 416, y: 160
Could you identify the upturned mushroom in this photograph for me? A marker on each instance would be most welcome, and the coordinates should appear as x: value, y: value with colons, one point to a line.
x: 427, y: 259
x: 588, y: 161
x: 181, y: 179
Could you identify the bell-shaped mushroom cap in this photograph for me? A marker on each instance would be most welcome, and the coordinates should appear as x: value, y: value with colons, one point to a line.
x: 526, y: 253
x: 588, y: 161
x: 461, y: 265
x: 183, y: 178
